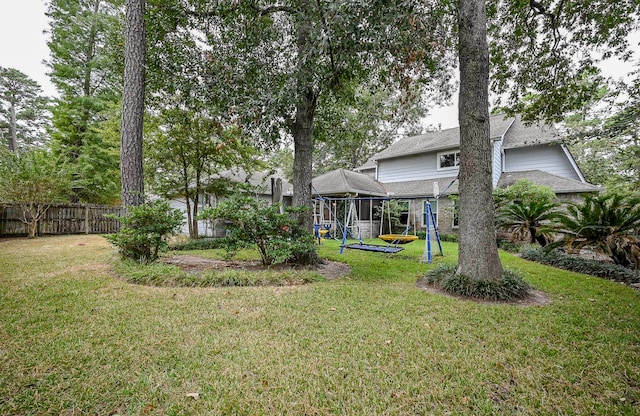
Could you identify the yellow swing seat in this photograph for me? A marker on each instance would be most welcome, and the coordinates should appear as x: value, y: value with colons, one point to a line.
x: 398, y: 238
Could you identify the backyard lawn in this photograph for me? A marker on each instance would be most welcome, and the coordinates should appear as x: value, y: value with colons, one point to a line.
x: 77, y: 340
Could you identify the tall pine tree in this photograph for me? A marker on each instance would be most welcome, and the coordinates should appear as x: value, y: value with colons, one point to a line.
x: 24, y: 115
x: 86, y: 66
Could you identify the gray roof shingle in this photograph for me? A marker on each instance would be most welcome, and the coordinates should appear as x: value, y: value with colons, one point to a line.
x: 342, y: 182
x: 438, y: 140
x: 558, y: 184
x: 520, y: 135
x: 423, y: 187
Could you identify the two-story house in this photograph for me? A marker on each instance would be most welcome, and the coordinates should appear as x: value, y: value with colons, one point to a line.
x: 420, y: 166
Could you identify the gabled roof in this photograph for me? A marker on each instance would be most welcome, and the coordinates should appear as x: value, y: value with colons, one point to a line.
x: 438, y: 140
x: 558, y: 184
x: 519, y: 135
x: 343, y: 182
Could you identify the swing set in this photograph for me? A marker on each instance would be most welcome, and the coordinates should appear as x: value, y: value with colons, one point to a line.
x: 393, y: 240
x: 351, y: 225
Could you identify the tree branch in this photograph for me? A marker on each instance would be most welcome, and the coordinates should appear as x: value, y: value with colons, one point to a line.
x: 261, y: 12
x: 272, y: 9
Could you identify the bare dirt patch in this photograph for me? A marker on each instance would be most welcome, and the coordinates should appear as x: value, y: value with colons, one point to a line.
x: 193, y: 264
x: 535, y: 298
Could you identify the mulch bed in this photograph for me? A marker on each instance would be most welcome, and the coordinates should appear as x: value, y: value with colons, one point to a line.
x: 193, y: 264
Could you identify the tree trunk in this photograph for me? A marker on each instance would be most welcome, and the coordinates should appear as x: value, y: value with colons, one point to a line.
x: 187, y: 201
x: 478, y: 251
x: 302, y: 131
x: 303, y: 156
x: 13, y: 130
x: 302, y: 127
x: 196, y: 201
x: 133, y: 104
x: 194, y: 233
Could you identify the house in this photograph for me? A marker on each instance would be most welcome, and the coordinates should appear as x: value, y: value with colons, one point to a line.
x: 266, y: 185
x: 418, y: 168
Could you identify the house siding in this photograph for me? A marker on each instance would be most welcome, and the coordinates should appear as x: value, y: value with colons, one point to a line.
x: 546, y: 158
x: 412, y: 168
x: 204, y: 227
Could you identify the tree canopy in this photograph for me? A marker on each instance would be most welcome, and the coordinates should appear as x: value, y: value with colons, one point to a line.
x: 24, y: 113
x: 86, y: 69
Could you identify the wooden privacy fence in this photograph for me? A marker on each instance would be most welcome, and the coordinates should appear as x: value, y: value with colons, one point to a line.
x: 62, y: 219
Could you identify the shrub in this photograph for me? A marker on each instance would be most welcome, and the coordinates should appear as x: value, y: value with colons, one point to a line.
x: 198, y: 244
x: 528, y: 219
x: 508, y: 246
x: 510, y: 286
x: 33, y: 180
x: 451, y: 238
x: 606, y: 222
x: 523, y: 191
x: 558, y: 259
x: 145, y: 230
x: 278, y: 236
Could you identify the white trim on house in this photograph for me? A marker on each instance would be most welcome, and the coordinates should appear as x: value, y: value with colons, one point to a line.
x: 573, y: 162
x: 455, y: 152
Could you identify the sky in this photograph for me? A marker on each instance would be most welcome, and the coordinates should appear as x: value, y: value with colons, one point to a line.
x: 24, y: 47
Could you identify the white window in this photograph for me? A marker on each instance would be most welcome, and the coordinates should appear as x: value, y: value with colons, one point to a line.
x: 448, y: 160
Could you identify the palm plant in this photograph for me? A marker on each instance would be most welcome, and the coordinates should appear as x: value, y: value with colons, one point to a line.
x: 608, y: 223
x: 529, y: 218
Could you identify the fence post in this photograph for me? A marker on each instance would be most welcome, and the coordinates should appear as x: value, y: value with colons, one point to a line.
x: 86, y: 219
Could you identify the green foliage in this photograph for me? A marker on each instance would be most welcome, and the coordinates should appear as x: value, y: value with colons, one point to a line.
x: 24, y: 116
x: 597, y: 268
x: 277, y: 236
x: 508, y: 246
x: 526, y: 210
x: 604, y: 137
x: 33, y: 179
x: 549, y: 48
x: 282, y: 160
x: 451, y: 238
x: 348, y: 131
x: 186, y: 148
x: 198, y: 244
x: 145, y: 230
x: 391, y: 211
x: 532, y: 218
x: 86, y: 67
x: 523, y: 190
x: 510, y: 286
x: 607, y: 222
x: 164, y: 275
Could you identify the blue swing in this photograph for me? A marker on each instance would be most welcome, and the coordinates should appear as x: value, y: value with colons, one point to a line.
x: 360, y: 245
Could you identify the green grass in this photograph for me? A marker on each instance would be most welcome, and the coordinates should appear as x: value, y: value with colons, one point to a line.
x: 164, y: 275
x: 76, y: 340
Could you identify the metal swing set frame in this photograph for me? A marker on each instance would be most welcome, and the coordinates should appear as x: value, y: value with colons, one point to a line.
x: 393, y: 240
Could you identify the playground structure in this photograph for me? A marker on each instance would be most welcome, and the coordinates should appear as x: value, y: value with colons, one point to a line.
x: 341, y: 218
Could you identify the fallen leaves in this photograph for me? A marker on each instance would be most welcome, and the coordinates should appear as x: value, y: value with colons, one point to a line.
x: 194, y: 396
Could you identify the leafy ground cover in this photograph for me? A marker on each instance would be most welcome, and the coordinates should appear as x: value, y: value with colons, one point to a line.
x: 75, y: 339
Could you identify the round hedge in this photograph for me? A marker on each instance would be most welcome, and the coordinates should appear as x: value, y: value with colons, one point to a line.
x: 510, y: 286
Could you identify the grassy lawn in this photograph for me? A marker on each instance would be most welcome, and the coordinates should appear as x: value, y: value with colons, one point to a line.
x: 76, y: 340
